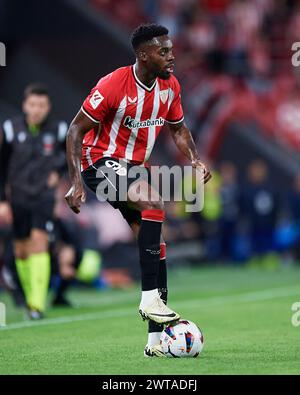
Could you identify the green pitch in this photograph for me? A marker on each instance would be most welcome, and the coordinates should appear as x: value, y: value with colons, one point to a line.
x: 245, y: 315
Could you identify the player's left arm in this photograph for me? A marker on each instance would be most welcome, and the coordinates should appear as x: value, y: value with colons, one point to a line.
x: 185, y: 143
x: 180, y: 132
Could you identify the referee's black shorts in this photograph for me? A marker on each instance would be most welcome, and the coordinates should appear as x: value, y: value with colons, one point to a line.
x: 110, y: 179
x: 32, y: 214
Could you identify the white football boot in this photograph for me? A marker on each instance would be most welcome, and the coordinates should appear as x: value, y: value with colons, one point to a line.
x: 157, y: 311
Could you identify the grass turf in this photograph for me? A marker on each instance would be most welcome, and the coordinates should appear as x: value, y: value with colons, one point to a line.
x: 245, y: 315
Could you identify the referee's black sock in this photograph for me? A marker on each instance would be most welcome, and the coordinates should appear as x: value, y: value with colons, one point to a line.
x: 149, y: 248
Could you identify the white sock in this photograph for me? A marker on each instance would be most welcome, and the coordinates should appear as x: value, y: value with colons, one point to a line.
x: 148, y: 296
x: 153, y: 339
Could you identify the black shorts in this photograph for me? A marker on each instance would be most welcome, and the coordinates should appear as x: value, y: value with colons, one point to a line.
x: 28, y: 215
x: 110, y: 179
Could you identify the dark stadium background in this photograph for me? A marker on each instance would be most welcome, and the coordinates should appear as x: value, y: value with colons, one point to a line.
x: 241, y: 99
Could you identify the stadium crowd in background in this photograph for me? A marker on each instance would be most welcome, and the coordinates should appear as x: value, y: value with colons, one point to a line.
x: 233, y: 58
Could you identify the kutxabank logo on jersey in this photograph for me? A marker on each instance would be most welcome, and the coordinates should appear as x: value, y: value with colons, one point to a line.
x: 176, y: 183
x: 131, y: 123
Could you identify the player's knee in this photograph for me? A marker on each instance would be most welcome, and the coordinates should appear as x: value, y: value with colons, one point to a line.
x: 163, y: 250
x: 39, y: 241
x: 21, y: 254
x: 135, y: 226
x: 20, y: 250
x: 67, y: 272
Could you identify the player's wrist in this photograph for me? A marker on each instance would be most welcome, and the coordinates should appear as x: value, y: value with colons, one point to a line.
x: 76, y: 178
x: 195, y: 160
x: 77, y: 184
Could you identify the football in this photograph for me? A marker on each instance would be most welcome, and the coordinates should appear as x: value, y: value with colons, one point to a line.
x: 182, y: 340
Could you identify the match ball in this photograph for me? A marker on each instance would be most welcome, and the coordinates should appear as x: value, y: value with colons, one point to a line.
x: 182, y: 340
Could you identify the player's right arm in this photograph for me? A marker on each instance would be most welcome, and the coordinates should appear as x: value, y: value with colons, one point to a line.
x: 93, y: 112
x: 80, y: 125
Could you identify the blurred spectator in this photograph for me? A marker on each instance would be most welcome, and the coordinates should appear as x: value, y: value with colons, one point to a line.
x: 230, y: 200
x: 179, y: 227
x: 209, y: 218
x: 294, y: 224
x: 168, y: 15
x: 260, y: 205
x: 294, y: 200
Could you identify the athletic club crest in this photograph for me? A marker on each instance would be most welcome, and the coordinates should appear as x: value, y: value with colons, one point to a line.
x: 164, y: 95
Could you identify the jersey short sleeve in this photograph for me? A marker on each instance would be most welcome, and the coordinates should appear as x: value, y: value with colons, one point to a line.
x: 175, y: 114
x: 99, y: 102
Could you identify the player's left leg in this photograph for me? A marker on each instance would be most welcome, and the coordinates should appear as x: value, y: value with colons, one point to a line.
x: 144, y: 197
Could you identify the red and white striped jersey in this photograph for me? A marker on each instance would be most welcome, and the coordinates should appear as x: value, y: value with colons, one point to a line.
x: 131, y: 116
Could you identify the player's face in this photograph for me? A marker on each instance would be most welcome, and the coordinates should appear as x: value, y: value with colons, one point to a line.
x: 36, y: 108
x: 160, y: 59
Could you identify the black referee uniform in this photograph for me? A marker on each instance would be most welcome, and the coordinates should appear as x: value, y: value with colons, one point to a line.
x: 27, y: 159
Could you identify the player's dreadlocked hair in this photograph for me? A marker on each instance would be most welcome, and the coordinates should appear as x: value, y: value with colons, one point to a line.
x: 146, y: 32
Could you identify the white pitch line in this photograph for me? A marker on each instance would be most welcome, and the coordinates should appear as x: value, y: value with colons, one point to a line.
x: 272, y: 293
x: 71, y: 318
x: 103, y: 300
x: 244, y: 297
